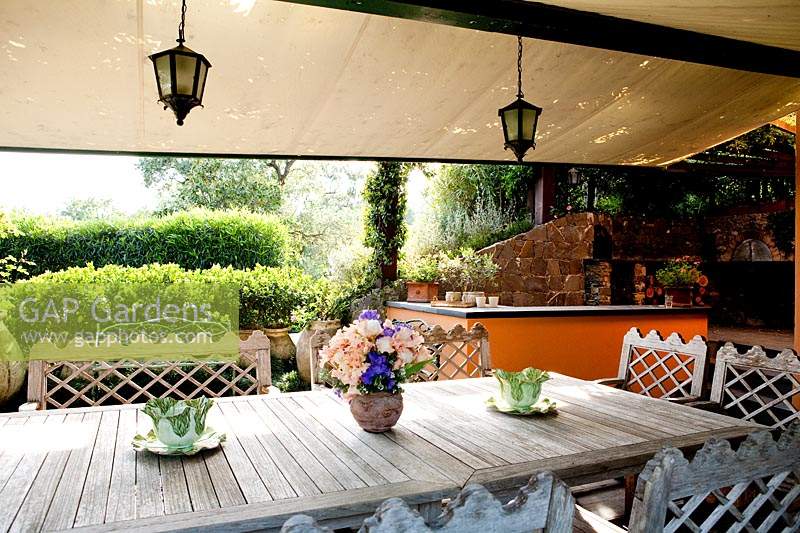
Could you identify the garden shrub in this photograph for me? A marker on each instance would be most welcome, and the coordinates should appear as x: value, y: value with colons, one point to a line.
x: 192, y: 239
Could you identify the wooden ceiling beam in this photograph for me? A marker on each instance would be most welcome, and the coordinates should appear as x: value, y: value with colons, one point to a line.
x: 554, y: 23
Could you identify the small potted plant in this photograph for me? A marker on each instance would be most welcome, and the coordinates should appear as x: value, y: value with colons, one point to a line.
x: 422, y: 273
x: 479, y: 273
x: 678, y: 278
x: 324, y: 314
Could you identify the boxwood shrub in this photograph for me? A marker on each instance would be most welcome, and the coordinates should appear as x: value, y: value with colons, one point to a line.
x: 196, y: 239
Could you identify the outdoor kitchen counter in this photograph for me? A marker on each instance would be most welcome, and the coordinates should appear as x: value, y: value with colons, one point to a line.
x: 580, y: 341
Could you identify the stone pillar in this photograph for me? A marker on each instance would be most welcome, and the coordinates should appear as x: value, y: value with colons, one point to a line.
x: 544, y: 195
x: 797, y: 233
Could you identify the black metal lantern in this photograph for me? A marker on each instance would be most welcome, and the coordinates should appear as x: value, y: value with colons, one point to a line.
x: 573, y: 176
x: 520, y: 118
x: 180, y: 75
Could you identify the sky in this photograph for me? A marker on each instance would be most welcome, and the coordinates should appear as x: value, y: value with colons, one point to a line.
x: 43, y: 183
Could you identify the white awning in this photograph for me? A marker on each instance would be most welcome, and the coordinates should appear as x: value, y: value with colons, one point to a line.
x: 297, y: 80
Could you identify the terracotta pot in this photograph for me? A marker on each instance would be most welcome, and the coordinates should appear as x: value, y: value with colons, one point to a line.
x: 681, y: 296
x: 280, y: 343
x: 377, y: 412
x: 422, y: 292
x: 303, y: 344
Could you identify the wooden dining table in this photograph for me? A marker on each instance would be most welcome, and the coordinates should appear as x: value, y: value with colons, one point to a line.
x: 303, y: 453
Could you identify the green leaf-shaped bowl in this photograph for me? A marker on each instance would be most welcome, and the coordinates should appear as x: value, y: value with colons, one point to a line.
x: 520, y: 390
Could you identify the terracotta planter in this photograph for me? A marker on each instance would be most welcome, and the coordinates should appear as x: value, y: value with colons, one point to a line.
x: 280, y: 343
x: 681, y: 296
x: 422, y: 292
x: 377, y: 412
x: 303, y: 344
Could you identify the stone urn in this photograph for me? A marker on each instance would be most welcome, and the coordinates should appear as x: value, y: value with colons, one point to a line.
x: 12, y: 373
x: 377, y: 412
x: 280, y: 343
x: 304, y: 344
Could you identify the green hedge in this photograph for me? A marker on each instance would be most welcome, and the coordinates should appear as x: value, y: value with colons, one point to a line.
x: 270, y: 297
x: 192, y: 239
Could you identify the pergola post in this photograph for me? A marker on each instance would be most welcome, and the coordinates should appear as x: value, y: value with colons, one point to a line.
x: 544, y: 195
x: 797, y: 233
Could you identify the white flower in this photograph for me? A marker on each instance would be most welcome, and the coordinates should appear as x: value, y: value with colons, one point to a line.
x: 370, y: 328
x: 384, y: 345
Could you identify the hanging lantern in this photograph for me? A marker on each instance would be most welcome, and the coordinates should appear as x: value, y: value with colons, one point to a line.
x: 180, y: 75
x: 519, y: 118
x: 573, y: 176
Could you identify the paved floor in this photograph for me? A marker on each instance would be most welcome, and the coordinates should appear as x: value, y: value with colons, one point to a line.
x: 771, y: 339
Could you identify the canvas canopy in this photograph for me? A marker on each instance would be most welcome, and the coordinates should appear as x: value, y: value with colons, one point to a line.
x: 298, y: 80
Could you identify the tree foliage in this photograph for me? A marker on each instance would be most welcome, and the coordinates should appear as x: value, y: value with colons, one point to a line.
x: 90, y: 209
x: 252, y: 184
x: 385, y: 227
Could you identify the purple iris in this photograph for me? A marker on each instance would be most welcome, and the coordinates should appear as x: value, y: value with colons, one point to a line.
x: 369, y: 314
x: 388, y: 332
x: 379, y: 370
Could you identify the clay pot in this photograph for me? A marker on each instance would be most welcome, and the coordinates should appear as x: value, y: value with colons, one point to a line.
x: 280, y: 343
x: 422, y: 292
x: 377, y: 412
x: 681, y: 296
x: 303, y: 344
x: 12, y: 373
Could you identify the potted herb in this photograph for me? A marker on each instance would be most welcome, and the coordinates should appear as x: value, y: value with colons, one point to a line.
x: 422, y: 274
x: 678, y: 278
x: 479, y: 274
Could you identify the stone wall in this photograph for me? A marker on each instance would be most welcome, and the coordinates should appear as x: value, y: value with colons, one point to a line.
x: 545, y: 265
x: 726, y: 233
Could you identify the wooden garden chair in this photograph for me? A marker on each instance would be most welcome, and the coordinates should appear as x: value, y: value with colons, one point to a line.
x: 457, y: 353
x: 545, y: 503
x: 63, y: 384
x: 755, y: 387
x: 661, y: 368
x: 755, y: 488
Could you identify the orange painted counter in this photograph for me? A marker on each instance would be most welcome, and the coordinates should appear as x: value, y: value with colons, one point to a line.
x: 580, y: 341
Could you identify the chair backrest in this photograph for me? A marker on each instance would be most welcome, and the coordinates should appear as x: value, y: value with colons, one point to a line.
x: 662, y: 368
x: 457, y: 353
x: 64, y: 384
x: 544, y: 503
x: 756, y: 488
x: 756, y: 387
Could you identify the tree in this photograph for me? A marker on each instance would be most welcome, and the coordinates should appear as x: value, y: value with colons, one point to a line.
x: 385, y: 226
x: 89, y: 209
x: 252, y: 184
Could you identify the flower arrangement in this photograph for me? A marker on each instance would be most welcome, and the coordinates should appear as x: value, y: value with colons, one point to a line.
x: 371, y: 356
x: 679, y: 273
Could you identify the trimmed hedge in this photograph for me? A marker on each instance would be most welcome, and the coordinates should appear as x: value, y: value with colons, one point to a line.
x: 270, y: 297
x: 192, y: 239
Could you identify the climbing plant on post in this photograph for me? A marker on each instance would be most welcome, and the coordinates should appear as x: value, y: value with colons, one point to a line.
x: 385, y: 196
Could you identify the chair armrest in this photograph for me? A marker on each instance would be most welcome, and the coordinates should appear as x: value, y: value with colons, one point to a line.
x: 705, y: 405
x: 587, y: 521
x: 610, y: 382
x: 683, y: 400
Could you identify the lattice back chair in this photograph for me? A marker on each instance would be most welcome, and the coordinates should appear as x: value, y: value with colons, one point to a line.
x: 661, y: 368
x: 457, y: 353
x: 755, y: 387
x: 755, y: 488
x: 63, y: 384
x: 545, y: 503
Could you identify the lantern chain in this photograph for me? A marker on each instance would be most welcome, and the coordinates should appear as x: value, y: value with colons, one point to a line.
x: 519, y: 67
x: 182, y: 25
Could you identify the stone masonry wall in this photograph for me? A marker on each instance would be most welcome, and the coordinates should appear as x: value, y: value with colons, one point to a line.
x: 545, y: 265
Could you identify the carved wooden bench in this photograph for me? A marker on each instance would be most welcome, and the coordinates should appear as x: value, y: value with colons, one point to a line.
x: 62, y: 384
x: 755, y: 488
x: 545, y: 503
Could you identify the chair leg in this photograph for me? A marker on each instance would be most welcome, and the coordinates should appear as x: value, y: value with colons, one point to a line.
x: 630, y: 489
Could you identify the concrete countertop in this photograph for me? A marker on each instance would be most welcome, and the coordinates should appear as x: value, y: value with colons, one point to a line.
x: 523, y: 312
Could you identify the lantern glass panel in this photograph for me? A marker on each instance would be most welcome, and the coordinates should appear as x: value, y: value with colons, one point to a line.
x: 512, y: 123
x: 184, y: 72
x: 201, y: 82
x: 164, y: 78
x: 528, y: 123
